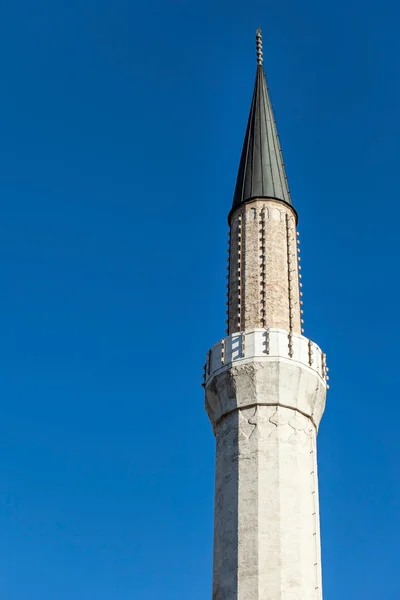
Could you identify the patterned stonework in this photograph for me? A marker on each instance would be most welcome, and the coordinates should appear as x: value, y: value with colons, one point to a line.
x: 263, y: 268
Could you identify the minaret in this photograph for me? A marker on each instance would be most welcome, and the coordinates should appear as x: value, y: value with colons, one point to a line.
x: 265, y: 386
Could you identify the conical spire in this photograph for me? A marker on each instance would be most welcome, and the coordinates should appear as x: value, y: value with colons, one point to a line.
x: 261, y: 170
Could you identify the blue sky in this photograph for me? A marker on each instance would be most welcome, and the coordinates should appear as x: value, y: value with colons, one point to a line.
x: 120, y: 133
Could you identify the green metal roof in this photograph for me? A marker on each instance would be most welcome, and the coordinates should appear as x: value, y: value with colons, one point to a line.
x: 261, y: 170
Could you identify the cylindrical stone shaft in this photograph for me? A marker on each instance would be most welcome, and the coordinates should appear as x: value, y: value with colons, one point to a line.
x: 265, y: 415
x: 263, y: 268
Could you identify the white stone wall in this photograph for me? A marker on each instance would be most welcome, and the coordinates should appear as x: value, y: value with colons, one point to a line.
x: 265, y: 410
x: 266, y: 517
x: 266, y: 344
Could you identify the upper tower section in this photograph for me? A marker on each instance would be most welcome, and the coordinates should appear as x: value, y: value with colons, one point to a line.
x: 261, y: 169
x: 264, y: 279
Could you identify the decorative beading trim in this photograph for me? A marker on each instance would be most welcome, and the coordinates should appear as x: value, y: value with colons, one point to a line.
x: 228, y: 277
x: 239, y: 272
x: 263, y: 271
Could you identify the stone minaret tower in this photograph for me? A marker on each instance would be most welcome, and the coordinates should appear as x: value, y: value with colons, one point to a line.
x: 265, y: 387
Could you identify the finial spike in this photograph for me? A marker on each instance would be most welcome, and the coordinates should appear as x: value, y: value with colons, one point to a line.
x: 259, y: 47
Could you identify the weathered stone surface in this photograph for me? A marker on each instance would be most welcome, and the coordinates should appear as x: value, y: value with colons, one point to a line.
x: 265, y: 416
x: 263, y: 271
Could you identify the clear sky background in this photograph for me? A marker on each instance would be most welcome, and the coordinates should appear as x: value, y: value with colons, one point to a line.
x: 121, y: 127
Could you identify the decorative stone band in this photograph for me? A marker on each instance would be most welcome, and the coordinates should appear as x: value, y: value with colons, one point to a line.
x: 265, y: 367
x: 264, y: 344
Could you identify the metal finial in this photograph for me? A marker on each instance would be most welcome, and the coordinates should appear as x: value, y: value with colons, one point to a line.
x: 259, y: 46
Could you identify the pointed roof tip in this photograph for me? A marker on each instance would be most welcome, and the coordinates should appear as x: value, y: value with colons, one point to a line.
x: 261, y: 170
